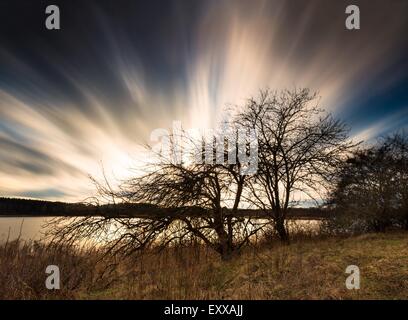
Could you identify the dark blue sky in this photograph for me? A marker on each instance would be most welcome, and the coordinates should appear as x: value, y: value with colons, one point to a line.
x: 93, y: 91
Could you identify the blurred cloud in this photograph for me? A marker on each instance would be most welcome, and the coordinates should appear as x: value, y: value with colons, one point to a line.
x: 90, y: 98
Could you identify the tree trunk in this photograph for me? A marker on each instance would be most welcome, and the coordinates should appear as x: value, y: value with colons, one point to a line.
x: 225, y: 248
x: 281, y: 230
x: 227, y: 253
x: 406, y: 220
x: 225, y: 245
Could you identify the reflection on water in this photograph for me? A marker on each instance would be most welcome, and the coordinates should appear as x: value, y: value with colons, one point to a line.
x: 31, y: 227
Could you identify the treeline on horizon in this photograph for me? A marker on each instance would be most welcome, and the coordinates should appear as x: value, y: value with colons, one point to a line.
x: 42, y: 208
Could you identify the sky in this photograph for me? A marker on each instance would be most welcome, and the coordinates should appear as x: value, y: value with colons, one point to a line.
x: 84, y: 99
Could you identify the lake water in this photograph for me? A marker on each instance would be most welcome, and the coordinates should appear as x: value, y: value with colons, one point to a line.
x: 31, y: 227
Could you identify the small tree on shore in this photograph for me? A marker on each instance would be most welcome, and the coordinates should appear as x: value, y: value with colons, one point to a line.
x: 199, y: 202
x: 300, y: 148
x: 397, y: 147
x: 371, y: 192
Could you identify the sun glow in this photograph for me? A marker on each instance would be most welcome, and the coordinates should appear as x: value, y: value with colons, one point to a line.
x: 49, y: 149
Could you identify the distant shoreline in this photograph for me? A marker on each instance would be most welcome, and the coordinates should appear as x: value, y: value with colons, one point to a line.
x: 15, y: 208
x: 75, y: 216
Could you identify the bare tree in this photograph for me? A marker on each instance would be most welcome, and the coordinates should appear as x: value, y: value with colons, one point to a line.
x: 300, y: 148
x: 213, y: 189
x: 196, y: 201
x: 397, y: 147
x: 371, y: 192
x: 364, y: 194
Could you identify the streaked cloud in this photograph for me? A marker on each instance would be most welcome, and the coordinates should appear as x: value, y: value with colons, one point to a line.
x: 90, y: 98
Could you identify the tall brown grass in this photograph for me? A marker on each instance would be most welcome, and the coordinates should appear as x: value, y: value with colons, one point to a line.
x: 309, y: 268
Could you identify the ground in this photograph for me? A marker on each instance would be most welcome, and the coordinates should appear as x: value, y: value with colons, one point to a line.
x: 305, y: 269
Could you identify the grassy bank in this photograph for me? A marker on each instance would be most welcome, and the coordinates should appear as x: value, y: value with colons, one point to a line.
x: 307, y: 269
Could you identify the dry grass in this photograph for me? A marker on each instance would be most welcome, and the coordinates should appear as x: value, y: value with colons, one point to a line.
x: 307, y: 269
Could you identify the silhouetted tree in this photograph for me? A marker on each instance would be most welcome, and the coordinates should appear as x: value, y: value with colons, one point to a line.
x: 371, y: 192
x: 200, y: 201
x: 397, y: 147
x: 300, y: 148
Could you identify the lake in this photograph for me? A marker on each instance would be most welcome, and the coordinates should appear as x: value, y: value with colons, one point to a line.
x: 31, y: 227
